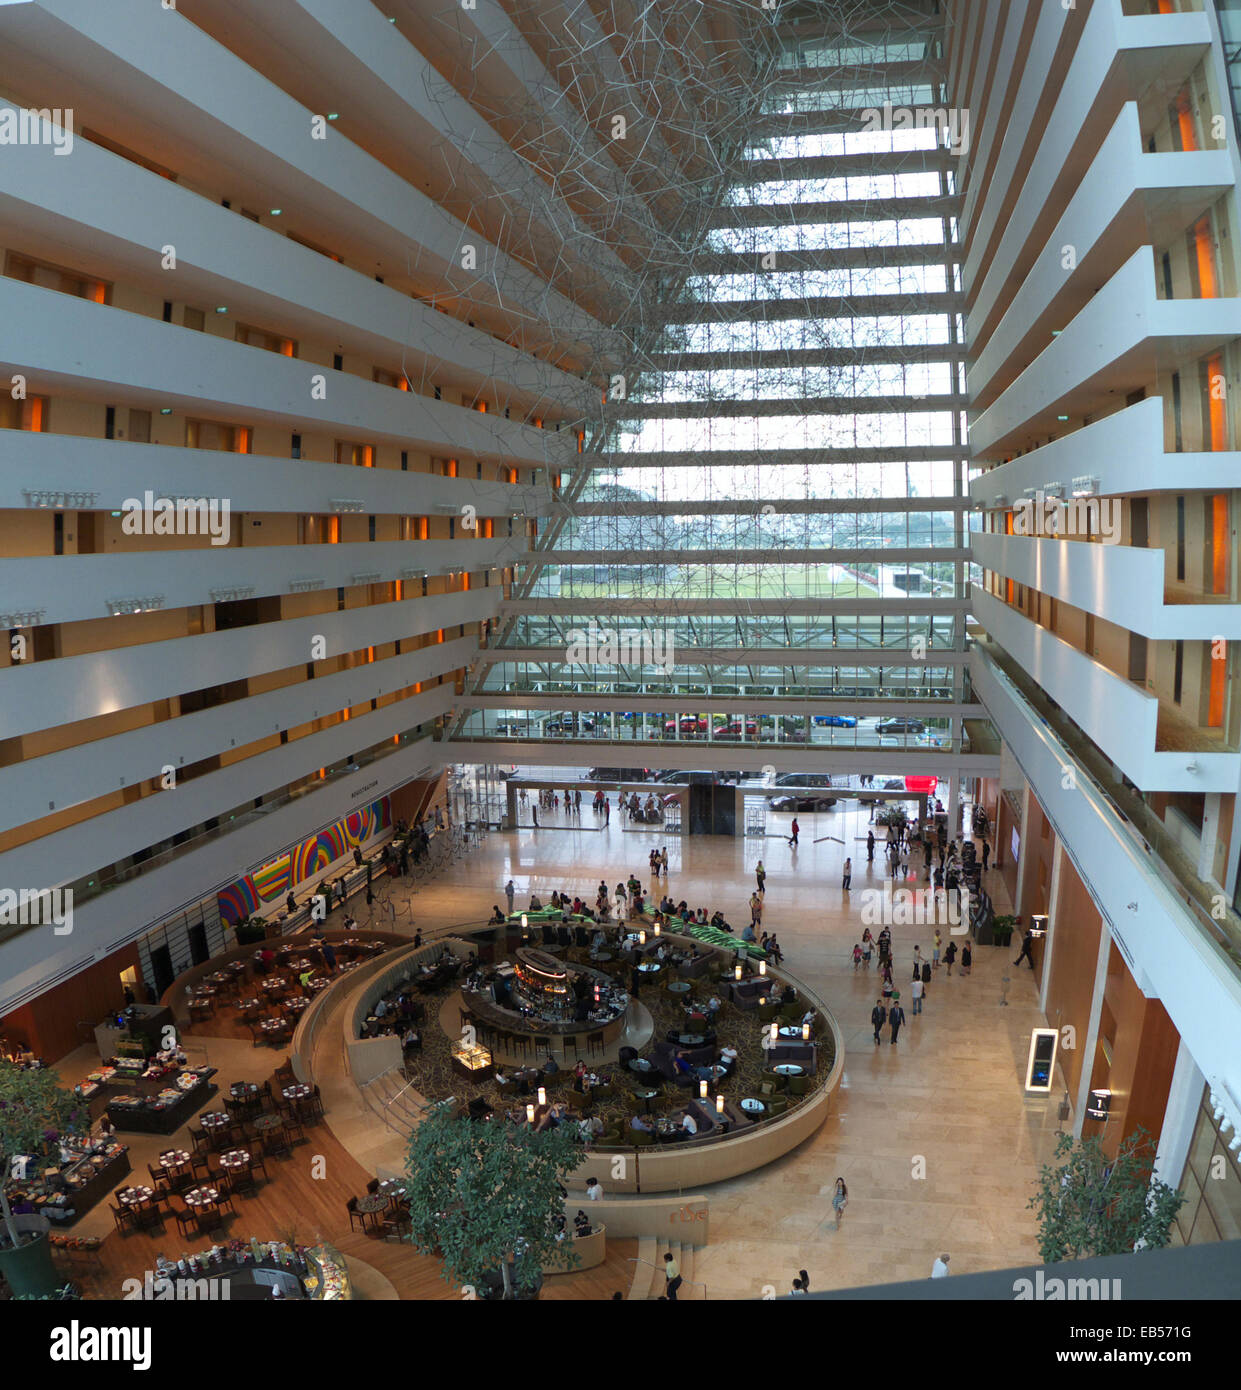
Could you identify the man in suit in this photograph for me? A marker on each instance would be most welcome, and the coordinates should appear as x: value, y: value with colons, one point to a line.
x: 896, y: 1017
x: 878, y: 1017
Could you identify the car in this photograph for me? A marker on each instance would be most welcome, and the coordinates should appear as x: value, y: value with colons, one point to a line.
x: 688, y: 724
x: 803, y: 779
x: 900, y: 725
x: 894, y: 784
x: 570, y: 724
x: 619, y: 774
x: 510, y: 727
x: 836, y: 721
x: 701, y: 778
x: 733, y: 730
x: 801, y: 802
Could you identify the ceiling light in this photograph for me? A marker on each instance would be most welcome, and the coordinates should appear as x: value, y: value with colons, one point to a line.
x: 333, y: 115
x: 275, y: 212
x: 1062, y: 417
x: 221, y: 308
x: 165, y: 410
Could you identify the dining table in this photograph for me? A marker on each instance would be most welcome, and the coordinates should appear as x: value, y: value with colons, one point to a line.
x: 235, y: 1159
x: 215, y: 1119
x: 202, y: 1197
x: 265, y: 1124
x: 134, y: 1196
x: 752, y: 1106
x: 789, y: 1069
x: 679, y: 987
x: 174, y: 1158
x: 297, y: 1092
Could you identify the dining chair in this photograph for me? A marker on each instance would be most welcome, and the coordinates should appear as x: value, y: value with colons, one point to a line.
x: 182, y: 1215
x: 123, y: 1219
x: 357, y: 1220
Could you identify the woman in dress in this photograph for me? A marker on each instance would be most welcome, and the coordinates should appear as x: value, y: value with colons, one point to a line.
x: 840, y: 1200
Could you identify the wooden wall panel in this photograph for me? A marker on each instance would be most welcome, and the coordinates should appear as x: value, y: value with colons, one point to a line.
x: 1070, y: 985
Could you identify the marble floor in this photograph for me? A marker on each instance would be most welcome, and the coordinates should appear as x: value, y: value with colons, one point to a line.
x: 933, y: 1136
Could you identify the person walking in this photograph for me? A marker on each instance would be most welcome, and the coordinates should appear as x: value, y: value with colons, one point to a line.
x: 510, y: 888
x: 1026, y: 943
x: 986, y: 853
x: 926, y: 977
x: 935, y: 945
x: 870, y: 846
x: 857, y: 959
x: 672, y: 1277
x: 848, y: 875
x: 761, y: 874
x: 663, y: 862
x: 916, y: 989
x: 950, y: 955
x: 607, y: 810
x: 939, y: 1270
x: 840, y: 1200
x: 534, y: 811
x: 796, y: 829
x: 917, y: 962
x: 878, y: 1017
x: 868, y: 943
x: 896, y: 1017
x: 756, y: 910
x: 967, y: 958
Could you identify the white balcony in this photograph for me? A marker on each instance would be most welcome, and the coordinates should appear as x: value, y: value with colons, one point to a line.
x: 70, y: 588
x: 47, y: 694
x: 1122, y: 338
x: 1117, y: 582
x: 1118, y: 716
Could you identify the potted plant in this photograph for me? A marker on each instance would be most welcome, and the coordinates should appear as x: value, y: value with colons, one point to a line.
x: 251, y: 930
x: 1092, y: 1205
x: 487, y: 1198
x: 35, y: 1111
x: 1002, y: 928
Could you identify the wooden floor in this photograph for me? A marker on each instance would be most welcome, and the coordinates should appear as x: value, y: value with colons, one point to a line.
x: 303, y: 1201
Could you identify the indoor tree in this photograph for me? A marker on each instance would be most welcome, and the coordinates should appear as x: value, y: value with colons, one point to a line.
x: 1091, y: 1204
x: 35, y: 1112
x: 487, y: 1196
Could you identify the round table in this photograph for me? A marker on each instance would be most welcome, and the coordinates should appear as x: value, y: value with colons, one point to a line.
x: 202, y: 1196
x: 392, y: 1186
x: 216, y: 1119
x: 174, y: 1158
x: 752, y: 1106
x: 296, y: 1092
x: 278, y: 982
x: 680, y: 987
x: 241, y: 1090
x: 788, y: 1069
x: 650, y: 967
x: 244, y: 1005
x: 264, y: 1124
x: 691, y: 1039
x: 297, y: 966
x: 134, y: 1196
x: 792, y: 1031
x: 204, y: 992
x: 296, y: 1004
x: 274, y: 1025
x: 639, y: 1064
x: 646, y: 1097
x: 602, y: 957
x: 372, y: 1203
x: 235, y: 1158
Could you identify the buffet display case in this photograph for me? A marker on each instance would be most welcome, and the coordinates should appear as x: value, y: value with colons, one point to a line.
x: 66, y: 1193
x: 472, y: 1060
x: 327, y: 1275
x: 176, y: 1098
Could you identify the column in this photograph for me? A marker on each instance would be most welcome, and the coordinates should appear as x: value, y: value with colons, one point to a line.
x: 1092, y: 1033
x: 1179, y: 1118
x: 1057, y: 858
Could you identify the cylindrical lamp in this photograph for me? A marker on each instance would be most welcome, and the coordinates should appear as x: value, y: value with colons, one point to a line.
x: 702, y: 1090
x: 775, y: 1031
x: 529, y: 1114
x: 805, y: 1032
x: 762, y: 967
x: 656, y: 928
x: 737, y: 972
x: 542, y: 1096
x: 642, y: 937
x: 719, y: 1105
x: 525, y: 921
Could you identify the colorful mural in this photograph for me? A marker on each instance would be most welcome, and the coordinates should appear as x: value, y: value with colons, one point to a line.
x: 273, y: 880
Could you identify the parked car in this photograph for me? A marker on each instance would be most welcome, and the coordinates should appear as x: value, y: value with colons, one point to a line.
x: 836, y: 721
x: 803, y: 779
x: 894, y: 784
x: 801, y: 802
x: 688, y: 724
x: 570, y: 724
x: 900, y: 725
x: 733, y: 730
x: 619, y: 774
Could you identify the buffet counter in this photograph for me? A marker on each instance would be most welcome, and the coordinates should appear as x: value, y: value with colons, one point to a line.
x: 65, y: 1194
x: 171, y: 1107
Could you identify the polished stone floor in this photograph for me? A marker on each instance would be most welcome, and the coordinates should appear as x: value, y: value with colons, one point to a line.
x: 933, y: 1136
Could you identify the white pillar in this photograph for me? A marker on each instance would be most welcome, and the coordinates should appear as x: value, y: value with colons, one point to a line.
x: 1092, y: 1031
x: 1179, y: 1118
x: 1057, y: 858
x: 1210, y: 837
x: 954, y: 804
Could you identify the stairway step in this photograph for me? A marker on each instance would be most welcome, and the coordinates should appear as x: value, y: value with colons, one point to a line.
x: 643, y: 1273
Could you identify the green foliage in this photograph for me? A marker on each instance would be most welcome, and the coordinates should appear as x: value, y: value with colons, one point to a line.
x: 34, y: 1106
x: 481, y: 1191
x: 1094, y: 1205
x: 252, y: 930
x: 891, y: 815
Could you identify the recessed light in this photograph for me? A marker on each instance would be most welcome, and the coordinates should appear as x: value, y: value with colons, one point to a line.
x: 333, y: 115
x: 1062, y: 417
x: 221, y: 308
x: 165, y: 410
x: 275, y: 212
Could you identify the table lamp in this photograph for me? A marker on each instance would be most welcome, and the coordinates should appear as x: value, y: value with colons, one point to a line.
x: 642, y: 937
x: 762, y: 967
x: 529, y: 1114
x: 719, y: 1105
x: 805, y: 1032
x: 702, y: 1090
x: 542, y: 1096
x: 775, y: 1031
x: 736, y: 972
